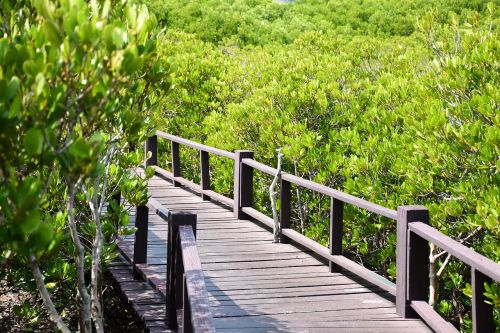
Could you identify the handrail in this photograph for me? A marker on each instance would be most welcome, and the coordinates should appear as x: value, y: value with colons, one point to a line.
x: 186, y: 290
x: 159, y: 209
x: 195, y: 145
x: 483, y: 270
x: 195, y: 187
x: 413, y: 237
x: 463, y: 253
x: 204, y: 187
x: 260, y: 166
x: 413, y: 233
x: 195, y: 292
x: 347, y: 198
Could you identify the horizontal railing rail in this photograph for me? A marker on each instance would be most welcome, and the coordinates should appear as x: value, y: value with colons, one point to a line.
x: 195, y: 145
x: 412, y: 281
x: 332, y: 193
x: 483, y: 270
x: 197, y: 316
x: 204, y: 188
x: 457, y: 250
x: 186, y: 292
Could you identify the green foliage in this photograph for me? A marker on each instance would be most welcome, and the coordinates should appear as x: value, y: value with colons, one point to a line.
x: 392, y: 101
x: 78, y: 83
x: 262, y: 22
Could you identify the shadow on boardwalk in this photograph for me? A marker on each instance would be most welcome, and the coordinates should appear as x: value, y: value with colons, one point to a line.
x: 257, y: 286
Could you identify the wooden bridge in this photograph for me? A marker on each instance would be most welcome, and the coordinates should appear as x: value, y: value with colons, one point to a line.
x: 209, y: 262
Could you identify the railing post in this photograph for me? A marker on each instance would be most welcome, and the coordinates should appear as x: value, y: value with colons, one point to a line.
x: 141, y: 238
x: 243, y: 184
x: 176, y: 162
x: 336, y: 231
x: 152, y: 146
x: 412, y: 260
x: 285, y: 209
x: 482, y: 313
x: 205, y: 173
x: 175, y: 269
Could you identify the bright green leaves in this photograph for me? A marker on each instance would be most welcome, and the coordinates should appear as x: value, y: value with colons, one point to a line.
x: 40, y: 84
x: 33, y: 141
x: 52, y: 33
x: 77, y: 87
x: 83, y: 156
x: 27, y: 230
x: 30, y: 222
x: 12, y: 88
x: 134, y: 189
x: 76, y: 92
x: 488, y: 215
x: 80, y: 149
x: 114, y: 36
x: 140, y: 20
x: 397, y: 121
x: 4, y: 46
x: 131, y: 61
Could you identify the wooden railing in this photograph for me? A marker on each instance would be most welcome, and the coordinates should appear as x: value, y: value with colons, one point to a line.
x: 186, y: 292
x: 413, y: 233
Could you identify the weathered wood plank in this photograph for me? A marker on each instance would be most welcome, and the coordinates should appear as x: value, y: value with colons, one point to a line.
x: 352, y: 288
x: 304, y: 300
x: 254, y: 285
x: 294, y: 307
x: 196, y: 294
x: 280, y: 283
x: 353, y: 325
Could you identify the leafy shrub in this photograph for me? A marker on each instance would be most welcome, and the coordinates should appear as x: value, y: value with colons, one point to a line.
x: 394, y: 101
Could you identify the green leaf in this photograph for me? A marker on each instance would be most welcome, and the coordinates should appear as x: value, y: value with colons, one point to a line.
x: 31, y: 222
x: 42, y: 237
x: 40, y: 83
x: 4, y: 45
x: 80, y: 148
x: 12, y: 87
x: 52, y: 33
x: 491, y: 221
x: 17, y: 310
x: 33, y: 141
x: 50, y: 285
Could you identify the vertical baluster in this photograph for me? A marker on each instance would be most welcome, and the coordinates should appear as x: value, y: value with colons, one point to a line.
x: 175, y: 268
x: 285, y: 209
x: 412, y: 260
x: 152, y: 146
x: 141, y: 238
x: 176, y: 162
x: 243, y: 184
x: 205, y: 173
x: 336, y: 231
x: 482, y: 313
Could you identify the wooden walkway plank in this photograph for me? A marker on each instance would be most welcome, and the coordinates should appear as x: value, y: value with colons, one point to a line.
x: 253, y: 284
x: 147, y: 303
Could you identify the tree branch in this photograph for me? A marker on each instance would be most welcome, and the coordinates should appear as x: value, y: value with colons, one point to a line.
x: 44, y: 293
x: 272, y: 194
x: 85, y: 318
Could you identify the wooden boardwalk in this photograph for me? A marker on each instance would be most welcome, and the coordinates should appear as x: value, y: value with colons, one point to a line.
x: 255, y: 285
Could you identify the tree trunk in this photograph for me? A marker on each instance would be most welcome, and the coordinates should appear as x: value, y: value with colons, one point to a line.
x: 272, y: 194
x: 44, y: 293
x: 85, y: 314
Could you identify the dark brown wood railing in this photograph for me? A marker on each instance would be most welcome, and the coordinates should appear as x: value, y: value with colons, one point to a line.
x: 186, y: 293
x: 413, y: 233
